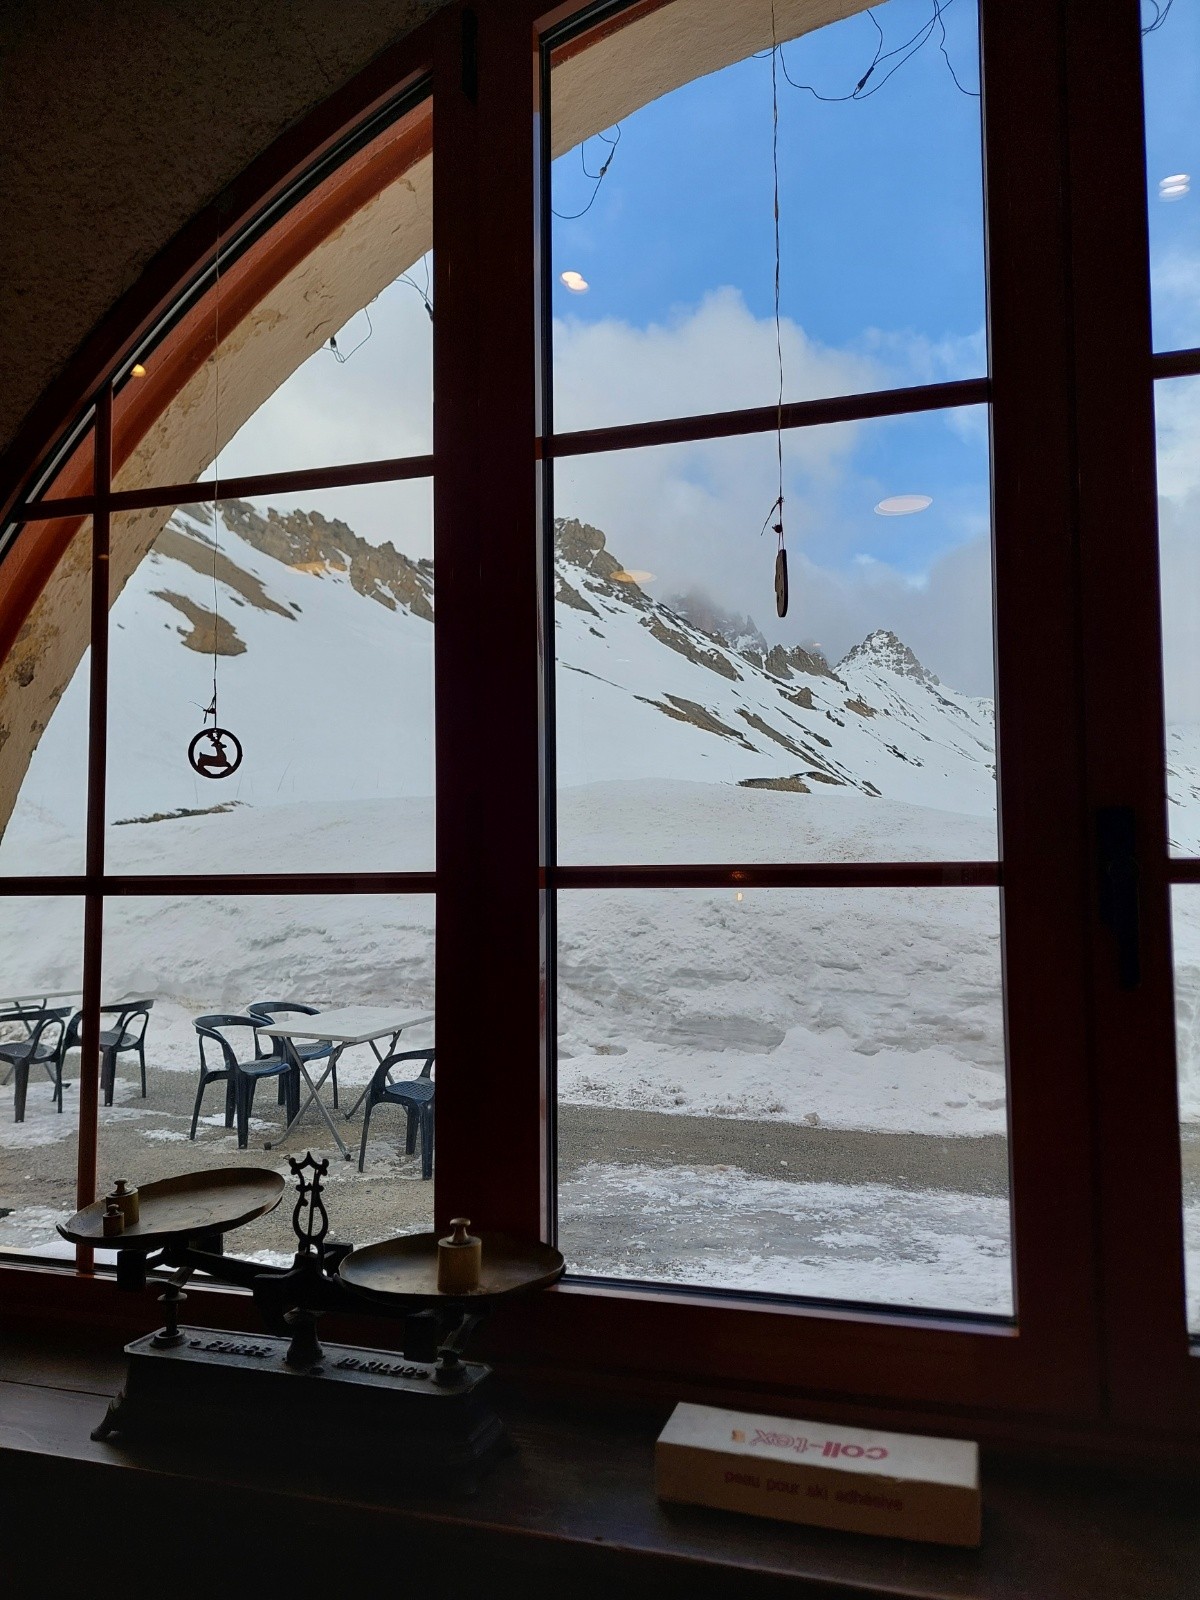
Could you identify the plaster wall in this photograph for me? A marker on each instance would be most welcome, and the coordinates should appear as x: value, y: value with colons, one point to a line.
x: 119, y: 122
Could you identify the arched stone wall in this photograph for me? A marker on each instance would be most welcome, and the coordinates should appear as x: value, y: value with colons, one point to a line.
x: 380, y: 227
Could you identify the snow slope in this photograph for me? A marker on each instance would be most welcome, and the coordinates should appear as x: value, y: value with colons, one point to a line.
x: 867, y: 1008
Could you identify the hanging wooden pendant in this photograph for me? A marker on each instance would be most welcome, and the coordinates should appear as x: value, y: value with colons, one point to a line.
x: 215, y: 753
x: 781, y: 582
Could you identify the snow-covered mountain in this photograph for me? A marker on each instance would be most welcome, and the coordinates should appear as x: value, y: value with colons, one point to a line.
x: 676, y: 742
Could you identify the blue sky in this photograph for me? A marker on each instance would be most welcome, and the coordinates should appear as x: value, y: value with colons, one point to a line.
x: 882, y: 285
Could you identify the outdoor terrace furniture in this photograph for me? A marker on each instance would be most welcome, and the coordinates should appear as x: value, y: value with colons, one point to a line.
x: 414, y: 1094
x: 341, y: 1027
x: 266, y: 1011
x: 43, y: 1048
x: 133, y: 1018
x: 241, y: 1077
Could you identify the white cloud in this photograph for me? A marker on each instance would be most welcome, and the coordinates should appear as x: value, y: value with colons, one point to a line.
x: 689, y: 513
x: 712, y: 357
x: 377, y: 405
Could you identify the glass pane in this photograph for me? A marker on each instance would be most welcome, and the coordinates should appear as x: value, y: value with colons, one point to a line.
x: 364, y: 395
x: 191, y: 957
x: 41, y: 980
x: 320, y: 607
x: 1171, y: 68
x: 664, y: 270
x: 44, y: 707
x: 693, y: 724
x: 323, y: 331
x: 1185, y: 908
x: 1177, y: 405
x: 797, y: 1092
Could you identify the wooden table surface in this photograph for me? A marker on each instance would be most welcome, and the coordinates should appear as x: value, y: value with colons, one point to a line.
x: 575, y: 1505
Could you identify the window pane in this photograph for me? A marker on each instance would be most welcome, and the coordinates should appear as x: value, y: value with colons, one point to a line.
x: 693, y: 724
x: 366, y: 396
x: 664, y: 270
x: 797, y: 1092
x: 320, y: 607
x: 41, y: 958
x: 323, y: 334
x: 44, y: 687
x: 1185, y: 907
x: 1177, y: 403
x: 197, y: 957
x: 1171, y: 67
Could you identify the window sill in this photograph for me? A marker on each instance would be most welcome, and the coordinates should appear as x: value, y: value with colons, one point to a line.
x: 577, y: 1501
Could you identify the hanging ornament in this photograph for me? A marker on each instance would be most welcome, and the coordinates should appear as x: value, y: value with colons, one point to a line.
x: 776, y: 521
x: 215, y: 752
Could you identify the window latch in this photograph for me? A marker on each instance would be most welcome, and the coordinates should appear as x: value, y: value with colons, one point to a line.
x: 1116, y: 848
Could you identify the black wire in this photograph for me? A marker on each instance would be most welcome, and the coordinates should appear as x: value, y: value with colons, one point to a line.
x: 597, y: 177
x: 905, y: 51
x: 971, y: 93
x: 1161, y: 13
x: 342, y: 356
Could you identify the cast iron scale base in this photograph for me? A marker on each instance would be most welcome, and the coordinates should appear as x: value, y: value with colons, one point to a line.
x: 422, y: 1418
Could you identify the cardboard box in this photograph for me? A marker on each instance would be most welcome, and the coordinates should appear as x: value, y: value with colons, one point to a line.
x: 898, y: 1484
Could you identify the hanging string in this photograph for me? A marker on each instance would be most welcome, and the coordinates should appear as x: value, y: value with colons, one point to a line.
x: 216, y: 537
x: 776, y: 510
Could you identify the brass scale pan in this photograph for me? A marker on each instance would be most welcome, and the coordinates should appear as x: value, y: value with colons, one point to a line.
x: 174, y: 1210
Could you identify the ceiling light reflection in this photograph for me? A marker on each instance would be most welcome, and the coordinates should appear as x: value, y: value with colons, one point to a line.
x: 903, y: 505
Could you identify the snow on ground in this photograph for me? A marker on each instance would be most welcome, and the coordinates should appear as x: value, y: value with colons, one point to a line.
x: 844, y: 1009
x: 727, y: 1229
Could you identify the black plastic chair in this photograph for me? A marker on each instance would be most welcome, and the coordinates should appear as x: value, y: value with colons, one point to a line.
x: 414, y: 1094
x: 267, y: 1011
x: 127, y: 1035
x: 21, y: 1054
x: 241, y: 1078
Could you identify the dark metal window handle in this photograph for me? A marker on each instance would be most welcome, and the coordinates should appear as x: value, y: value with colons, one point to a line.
x: 1117, y: 869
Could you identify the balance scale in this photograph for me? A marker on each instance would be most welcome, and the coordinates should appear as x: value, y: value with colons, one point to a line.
x: 422, y: 1416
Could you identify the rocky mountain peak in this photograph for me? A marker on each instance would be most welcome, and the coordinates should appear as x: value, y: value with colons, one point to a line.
x: 886, y: 650
x: 310, y: 542
x: 584, y: 546
x: 705, y: 613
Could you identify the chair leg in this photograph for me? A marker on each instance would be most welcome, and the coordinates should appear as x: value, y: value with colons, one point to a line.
x: 142, y: 1064
x: 426, y: 1142
x: 196, y: 1108
x: 20, y: 1089
x: 333, y: 1077
x: 230, y: 1102
x: 243, y: 1114
x: 362, y: 1149
x: 108, y: 1073
x: 410, y: 1131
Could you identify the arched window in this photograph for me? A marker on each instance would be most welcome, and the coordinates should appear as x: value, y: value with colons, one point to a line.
x: 794, y: 941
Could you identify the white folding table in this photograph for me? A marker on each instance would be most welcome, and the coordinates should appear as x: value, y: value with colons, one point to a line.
x: 342, y: 1026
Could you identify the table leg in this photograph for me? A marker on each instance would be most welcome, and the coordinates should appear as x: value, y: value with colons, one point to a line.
x: 314, y: 1098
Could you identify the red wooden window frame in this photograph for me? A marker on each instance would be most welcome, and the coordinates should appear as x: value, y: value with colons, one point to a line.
x: 1098, y: 1349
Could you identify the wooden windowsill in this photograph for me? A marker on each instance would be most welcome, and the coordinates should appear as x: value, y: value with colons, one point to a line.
x: 577, y: 1501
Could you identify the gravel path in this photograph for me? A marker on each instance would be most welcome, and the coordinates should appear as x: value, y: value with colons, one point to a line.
x: 148, y: 1139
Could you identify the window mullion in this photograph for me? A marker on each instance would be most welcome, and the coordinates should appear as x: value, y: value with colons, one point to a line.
x: 491, y: 1149
x: 1140, y: 1209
